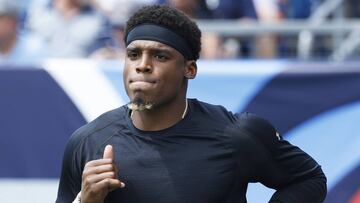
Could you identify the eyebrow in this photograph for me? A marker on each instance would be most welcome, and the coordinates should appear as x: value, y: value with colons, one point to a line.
x: 132, y: 49
x: 156, y: 49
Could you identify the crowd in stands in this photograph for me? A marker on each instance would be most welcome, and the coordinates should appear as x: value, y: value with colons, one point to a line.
x: 32, y: 30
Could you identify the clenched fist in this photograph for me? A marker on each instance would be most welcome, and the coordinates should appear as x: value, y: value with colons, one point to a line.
x: 99, y: 178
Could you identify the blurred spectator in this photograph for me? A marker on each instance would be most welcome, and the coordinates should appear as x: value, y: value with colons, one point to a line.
x: 235, y: 9
x: 300, y: 10
x: 267, y: 11
x: 72, y: 28
x: 352, y: 8
x: 197, y: 9
x: 118, y: 12
x: 235, y: 46
x: 16, y: 47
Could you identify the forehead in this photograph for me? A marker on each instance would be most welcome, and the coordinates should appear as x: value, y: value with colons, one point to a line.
x: 149, y: 44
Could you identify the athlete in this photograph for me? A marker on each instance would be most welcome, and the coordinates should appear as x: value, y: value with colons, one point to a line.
x: 163, y: 147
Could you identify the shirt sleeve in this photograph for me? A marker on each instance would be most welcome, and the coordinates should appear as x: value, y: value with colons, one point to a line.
x: 70, y: 179
x: 295, y: 175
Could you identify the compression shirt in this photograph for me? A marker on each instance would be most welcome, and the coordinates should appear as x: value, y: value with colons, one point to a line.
x: 209, y: 156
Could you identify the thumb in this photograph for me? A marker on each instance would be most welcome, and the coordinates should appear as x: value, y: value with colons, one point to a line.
x: 108, y: 152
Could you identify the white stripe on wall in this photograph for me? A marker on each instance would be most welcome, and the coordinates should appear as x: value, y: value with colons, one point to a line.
x: 86, y: 85
x: 28, y: 190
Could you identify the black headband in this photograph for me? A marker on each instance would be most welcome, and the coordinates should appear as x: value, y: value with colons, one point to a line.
x: 160, y: 34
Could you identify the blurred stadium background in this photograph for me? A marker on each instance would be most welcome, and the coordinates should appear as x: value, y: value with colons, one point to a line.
x: 294, y: 62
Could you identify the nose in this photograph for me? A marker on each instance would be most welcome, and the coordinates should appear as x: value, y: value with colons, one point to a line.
x: 145, y: 65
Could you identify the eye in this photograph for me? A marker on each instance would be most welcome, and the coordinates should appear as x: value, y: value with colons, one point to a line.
x: 132, y: 55
x: 161, y: 57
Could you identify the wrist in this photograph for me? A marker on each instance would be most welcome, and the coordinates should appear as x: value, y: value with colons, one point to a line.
x: 77, y: 198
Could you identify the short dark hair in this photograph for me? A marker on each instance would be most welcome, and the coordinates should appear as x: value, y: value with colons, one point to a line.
x: 170, y: 18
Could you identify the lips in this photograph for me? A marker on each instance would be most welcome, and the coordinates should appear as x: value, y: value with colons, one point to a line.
x: 142, y: 79
x: 141, y: 83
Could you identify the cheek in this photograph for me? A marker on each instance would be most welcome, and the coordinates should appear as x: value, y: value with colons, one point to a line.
x: 127, y: 68
x: 125, y: 72
x: 125, y: 78
x: 173, y: 83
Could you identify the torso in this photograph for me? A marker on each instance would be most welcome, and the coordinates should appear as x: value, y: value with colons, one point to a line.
x: 192, y: 161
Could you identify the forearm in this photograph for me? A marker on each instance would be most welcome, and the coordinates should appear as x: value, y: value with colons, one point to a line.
x: 310, y: 190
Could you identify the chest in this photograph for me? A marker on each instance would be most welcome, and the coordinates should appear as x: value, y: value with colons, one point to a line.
x: 177, y: 169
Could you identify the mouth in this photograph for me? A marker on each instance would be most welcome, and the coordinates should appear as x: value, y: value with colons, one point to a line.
x: 141, y: 83
x: 142, y: 79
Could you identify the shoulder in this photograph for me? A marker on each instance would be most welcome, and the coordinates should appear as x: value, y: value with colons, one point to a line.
x: 84, y: 143
x: 102, y: 123
x: 259, y: 129
x: 254, y: 123
x: 211, y: 111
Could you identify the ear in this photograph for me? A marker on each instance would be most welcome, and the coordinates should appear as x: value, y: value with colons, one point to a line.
x: 190, y: 69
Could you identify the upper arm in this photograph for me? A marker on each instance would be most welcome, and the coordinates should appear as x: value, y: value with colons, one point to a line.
x: 278, y: 163
x: 70, y: 179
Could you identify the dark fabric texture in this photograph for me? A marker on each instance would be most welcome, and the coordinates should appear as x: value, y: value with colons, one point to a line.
x: 160, y: 34
x: 209, y: 156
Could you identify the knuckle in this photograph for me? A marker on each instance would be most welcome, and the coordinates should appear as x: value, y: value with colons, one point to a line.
x: 92, y: 191
x: 87, y: 181
x: 89, y: 164
x: 111, y: 173
x: 85, y: 172
x: 83, y: 177
x: 107, y: 182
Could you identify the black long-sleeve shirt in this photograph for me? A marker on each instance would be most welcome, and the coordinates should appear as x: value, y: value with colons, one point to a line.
x: 209, y: 156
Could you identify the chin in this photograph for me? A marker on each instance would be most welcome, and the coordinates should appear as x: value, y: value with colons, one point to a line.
x: 139, y: 104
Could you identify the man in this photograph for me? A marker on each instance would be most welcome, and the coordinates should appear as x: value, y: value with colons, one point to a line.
x: 163, y: 147
x: 16, y: 47
x: 71, y: 28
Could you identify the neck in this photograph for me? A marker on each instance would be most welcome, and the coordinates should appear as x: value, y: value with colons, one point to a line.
x: 160, y: 118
